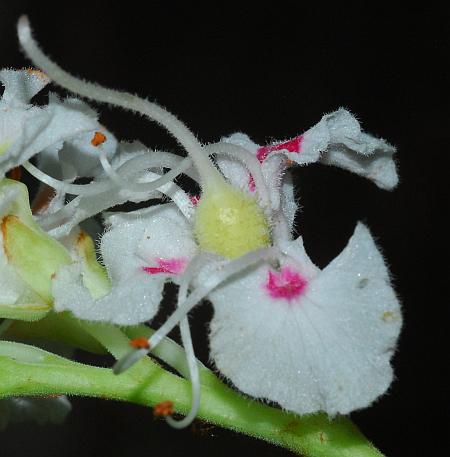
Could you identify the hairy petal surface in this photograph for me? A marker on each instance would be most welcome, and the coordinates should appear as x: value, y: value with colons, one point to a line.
x: 141, y: 251
x: 310, y: 340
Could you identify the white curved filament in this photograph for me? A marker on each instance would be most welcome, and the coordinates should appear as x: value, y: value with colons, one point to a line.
x: 227, y: 271
x: 250, y: 162
x: 123, y: 99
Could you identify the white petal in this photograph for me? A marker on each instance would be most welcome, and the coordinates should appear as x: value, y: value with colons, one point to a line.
x: 232, y: 169
x: 327, y: 350
x: 279, y: 186
x: 289, y: 205
x: 77, y: 157
x: 136, y: 241
x: 132, y: 300
x: 27, y: 131
x: 338, y: 140
x: 158, y: 232
x: 129, y: 168
x: 21, y: 86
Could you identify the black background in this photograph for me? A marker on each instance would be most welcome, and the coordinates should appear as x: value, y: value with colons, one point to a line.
x: 272, y: 72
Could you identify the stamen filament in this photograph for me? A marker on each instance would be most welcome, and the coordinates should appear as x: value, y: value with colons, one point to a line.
x: 188, y: 347
x: 250, y: 162
x: 228, y: 270
x: 209, y: 174
x: 57, y: 221
x: 97, y: 187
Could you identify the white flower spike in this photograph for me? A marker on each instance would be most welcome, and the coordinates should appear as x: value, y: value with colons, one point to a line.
x: 283, y: 330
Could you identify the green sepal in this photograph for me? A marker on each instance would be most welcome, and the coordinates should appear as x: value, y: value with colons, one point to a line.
x: 24, y: 312
x: 29, y: 306
x: 95, y: 276
x: 34, y: 255
x: 20, y: 207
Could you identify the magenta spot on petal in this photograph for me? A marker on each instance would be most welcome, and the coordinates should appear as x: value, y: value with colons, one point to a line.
x: 174, y: 266
x: 251, y: 184
x: 286, y: 284
x: 294, y: 145
x: 194, y: 199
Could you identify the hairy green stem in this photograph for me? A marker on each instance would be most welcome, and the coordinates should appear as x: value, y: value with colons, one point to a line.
x: 26, y: 370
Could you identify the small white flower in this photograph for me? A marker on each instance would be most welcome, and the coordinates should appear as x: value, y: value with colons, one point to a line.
x: 26, y: 130
x: 283, y: 330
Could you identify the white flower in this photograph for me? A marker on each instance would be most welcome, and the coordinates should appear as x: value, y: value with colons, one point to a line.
x: 283, y: 330
x: 26, y: 130
x: 289, y: 332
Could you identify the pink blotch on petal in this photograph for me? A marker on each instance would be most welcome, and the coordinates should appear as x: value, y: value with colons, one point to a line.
x: 286, y: 284
x: 194, y: 199
x: 174, y: 266
x: 251, y: 184
x: 294, y: 145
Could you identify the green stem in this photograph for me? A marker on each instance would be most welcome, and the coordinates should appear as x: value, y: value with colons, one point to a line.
x: 148, y: 384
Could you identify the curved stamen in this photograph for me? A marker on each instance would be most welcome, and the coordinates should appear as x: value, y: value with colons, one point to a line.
x: 92, y: 188
x: 109, y: 170
x: 228, y: 270
x: 136, y: 163
x: 251, y: 163
x: 154, y: 112
x: 192, y: 362
x: 97, y: 187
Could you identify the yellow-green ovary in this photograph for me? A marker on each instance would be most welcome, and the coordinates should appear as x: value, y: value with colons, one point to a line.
x: 230, y: 223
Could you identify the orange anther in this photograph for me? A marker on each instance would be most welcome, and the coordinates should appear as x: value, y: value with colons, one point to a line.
x: 98, y: 139
x: 140, y: 343
x: 163, y: 409
x: 289, y: 162
x: 38, y: 73
x: 42, y: 199
x: 15, y: 173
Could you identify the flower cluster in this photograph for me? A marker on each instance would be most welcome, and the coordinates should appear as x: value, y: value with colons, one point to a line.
x: 283, y: 330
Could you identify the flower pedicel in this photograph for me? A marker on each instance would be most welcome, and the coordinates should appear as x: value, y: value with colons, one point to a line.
x: 282, y: 330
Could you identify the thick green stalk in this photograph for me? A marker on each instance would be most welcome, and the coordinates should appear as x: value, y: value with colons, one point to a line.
x: 26, y: 370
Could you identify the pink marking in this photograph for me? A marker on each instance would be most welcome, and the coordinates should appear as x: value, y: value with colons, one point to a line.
x: 174, y: 266
x: 287, y: 284
x: 294, y: 145
x: 251, y: 184
x: 194, y: 199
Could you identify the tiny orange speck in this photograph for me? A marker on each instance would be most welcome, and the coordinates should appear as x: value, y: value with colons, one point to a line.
x: 38, y: 73
x: 140, y: 343
x: 289, y: 162
x: 98, y: 139
x: 163, y: 409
